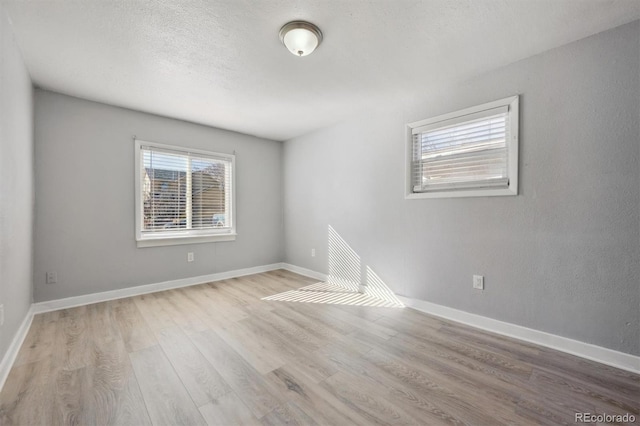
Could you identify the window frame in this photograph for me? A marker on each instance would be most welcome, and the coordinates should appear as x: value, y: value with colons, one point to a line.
x: 512, y: 103
x: 185, y: 236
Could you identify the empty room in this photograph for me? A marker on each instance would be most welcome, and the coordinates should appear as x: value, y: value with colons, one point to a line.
x: 329, y: 212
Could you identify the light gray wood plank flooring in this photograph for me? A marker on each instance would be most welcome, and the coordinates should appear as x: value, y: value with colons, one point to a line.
x: 217, y: 354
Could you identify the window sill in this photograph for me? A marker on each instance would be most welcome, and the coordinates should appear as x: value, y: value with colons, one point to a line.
x: 463, y: 193
x: 182, y: 240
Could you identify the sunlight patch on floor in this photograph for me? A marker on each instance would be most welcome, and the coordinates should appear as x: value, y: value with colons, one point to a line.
x: 327, y: 293
x: 347, y: 283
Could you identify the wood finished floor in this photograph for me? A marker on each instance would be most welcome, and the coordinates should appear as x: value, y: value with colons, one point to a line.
x: 216, y: 354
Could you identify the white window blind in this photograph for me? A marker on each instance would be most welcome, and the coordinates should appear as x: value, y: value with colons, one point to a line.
x: 183, y: 193
x: 468, y: 151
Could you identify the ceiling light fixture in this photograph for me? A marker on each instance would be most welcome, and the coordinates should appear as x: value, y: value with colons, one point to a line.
x: 300, y: 37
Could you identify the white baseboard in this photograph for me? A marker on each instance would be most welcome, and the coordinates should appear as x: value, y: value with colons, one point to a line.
x: 599, y: 354
x: 12, y: 352
x: 87, y: 299
x: 304, y: 271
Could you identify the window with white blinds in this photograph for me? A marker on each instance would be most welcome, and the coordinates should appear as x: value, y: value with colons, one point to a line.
x: 473, y: 152
x: 183, y: 196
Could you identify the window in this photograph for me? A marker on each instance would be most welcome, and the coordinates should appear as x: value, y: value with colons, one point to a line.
x: 183, y: 196
x: 468, y: 153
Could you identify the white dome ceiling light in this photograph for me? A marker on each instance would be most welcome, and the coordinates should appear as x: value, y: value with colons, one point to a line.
x: 300, y: 37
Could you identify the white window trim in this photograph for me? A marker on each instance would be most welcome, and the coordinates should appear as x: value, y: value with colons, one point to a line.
x: 188, y: 236
x: 512, y: 189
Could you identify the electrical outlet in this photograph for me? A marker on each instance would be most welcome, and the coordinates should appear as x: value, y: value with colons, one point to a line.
x: 1, y: 315
x: 190, y: 256
x: 313, y: 252
x: 52, y: 278
x: 478, y: 282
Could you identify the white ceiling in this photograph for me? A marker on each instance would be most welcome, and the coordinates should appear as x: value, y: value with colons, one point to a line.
x: 221, y: 63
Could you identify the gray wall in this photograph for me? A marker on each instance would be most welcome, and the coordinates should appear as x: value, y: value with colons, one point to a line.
x: 84, y: 227
x: 16, y: 185
x: 562, y: 257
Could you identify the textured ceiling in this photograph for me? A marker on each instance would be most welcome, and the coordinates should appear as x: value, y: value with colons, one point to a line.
x: 221, y: 63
